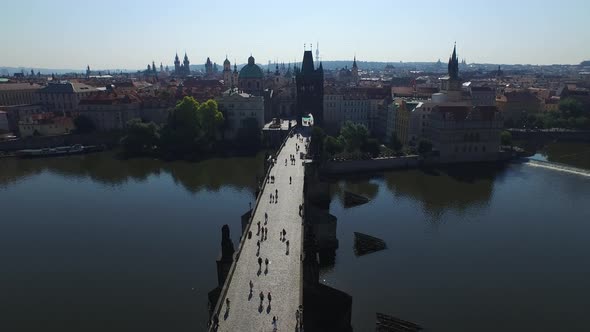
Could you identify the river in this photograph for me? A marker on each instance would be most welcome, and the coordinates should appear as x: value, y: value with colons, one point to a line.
x: 92, y: 243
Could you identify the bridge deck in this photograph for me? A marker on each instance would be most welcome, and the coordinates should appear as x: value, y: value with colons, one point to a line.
x: 283, y: 278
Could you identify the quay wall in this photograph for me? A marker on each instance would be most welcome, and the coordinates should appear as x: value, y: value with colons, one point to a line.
x: 369, y: 165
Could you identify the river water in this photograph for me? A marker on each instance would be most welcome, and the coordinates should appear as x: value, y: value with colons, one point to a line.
x: 92, y: 243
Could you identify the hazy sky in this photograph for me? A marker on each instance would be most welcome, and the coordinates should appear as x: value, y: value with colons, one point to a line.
x: 131, y: 33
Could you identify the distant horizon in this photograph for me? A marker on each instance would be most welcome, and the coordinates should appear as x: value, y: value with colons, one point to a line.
x: 220, y: 65
x: 68, y: 34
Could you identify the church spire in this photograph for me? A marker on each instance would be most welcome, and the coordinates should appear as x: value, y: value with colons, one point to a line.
x: 453, y: 67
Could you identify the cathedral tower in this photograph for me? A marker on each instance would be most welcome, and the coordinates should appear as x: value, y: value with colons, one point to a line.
x: 176, y: 65
x: 186, y: 65
x: 227, y: 75
x: 355, y: 71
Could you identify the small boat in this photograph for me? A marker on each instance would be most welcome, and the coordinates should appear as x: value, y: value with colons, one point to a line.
x: 57, y: 151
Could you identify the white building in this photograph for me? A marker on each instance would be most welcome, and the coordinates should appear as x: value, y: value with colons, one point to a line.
x: 357, y: 105
x: 237, y: 108
x: 420, y: 116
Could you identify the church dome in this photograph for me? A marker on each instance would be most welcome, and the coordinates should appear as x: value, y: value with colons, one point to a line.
x: 226, y: 62
x: 251, y: 70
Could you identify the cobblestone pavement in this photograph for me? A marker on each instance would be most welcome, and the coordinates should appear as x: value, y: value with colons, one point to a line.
x: 282, y: 276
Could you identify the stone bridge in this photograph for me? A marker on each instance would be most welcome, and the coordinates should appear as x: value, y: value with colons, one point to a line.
x: 265, y: 276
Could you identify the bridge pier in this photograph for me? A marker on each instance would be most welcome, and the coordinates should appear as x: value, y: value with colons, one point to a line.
x: 325, y: 308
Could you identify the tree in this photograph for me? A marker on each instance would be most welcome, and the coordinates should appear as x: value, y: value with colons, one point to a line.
x: 210, y: 119
x: 506, y: 138
x: 182, y: 132
x: 571, y: 108
x: 372, y: 147
x: 332, y: 145
x: 395, y: 143
x: 191, y: 128
x: 84, y: 124
x: 317, y: 140
x: 141, y: 138
x: 353, y: 135
x: 424, y: 147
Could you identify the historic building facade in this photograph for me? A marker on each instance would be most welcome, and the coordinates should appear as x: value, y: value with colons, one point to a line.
x: 18, y: 93
x: 458, y: 130
x: 237, y: 108
x: 65, y: 96
x: 465, y: 133
x: 111, y: 110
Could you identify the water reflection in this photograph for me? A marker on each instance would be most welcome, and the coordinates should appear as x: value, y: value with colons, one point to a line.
x: 104, y: 168
x: 437, y: 189
x: 512, y: 237
x: 95, y: 243
x: 441, y: 189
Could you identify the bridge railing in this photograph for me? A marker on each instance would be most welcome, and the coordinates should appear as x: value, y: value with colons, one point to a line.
x: 237, y: 254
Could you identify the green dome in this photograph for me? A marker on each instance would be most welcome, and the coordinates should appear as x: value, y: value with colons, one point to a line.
x: 251, y: 70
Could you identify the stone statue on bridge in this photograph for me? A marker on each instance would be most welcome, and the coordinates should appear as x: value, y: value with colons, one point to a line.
x: 227, y: 246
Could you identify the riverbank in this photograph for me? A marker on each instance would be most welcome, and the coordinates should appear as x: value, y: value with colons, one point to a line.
x: 41, y: 142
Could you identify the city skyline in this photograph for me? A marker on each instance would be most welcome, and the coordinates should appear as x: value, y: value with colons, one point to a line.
x: 66, y: 35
